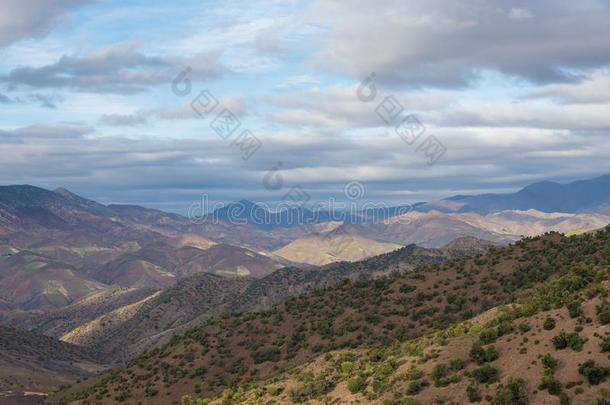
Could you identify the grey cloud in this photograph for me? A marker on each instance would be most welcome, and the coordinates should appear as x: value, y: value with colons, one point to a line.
x: 182, y: 111
x: 172, y: 173
x: 46, y: 100
x: 4, y: 99
x: 117, y: 68
x: 33, y: 18
x: 338, y: 107
x: 447, y: 43
x: 593, y: 117
x: 48, y: 131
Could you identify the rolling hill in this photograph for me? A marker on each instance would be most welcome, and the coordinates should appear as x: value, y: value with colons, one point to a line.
x: 334, y: 245
x: 426, y: 317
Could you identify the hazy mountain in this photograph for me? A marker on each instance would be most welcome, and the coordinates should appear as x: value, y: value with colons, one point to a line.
x: 434, y: 228
x: 30, y: 214
x: 287, y: 216
x: 578, y: 196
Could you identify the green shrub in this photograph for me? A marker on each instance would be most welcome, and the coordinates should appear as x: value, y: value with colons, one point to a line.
x: 574, y: 309
x: 413, y: 373
x: 524, y: 327
x: 603, y: 312
x: 512, y: 393
x: 549, y: 323
x: 268, y: 354
x: 347, y: 367
x: 485, y: 374
x: 549, y: 362
x: 595, y: 374
x: 311, y: 387
x: 504, y: 328
x: 605, y: 344
x: 356, y: 384
x: 571, y: 340
x: 406, y: 288
x: 473, y: 394
x: 414, y: 387
x: 488, y: 335
x: 479, y: 354
x: 439, y: 371
x: 549, y: 383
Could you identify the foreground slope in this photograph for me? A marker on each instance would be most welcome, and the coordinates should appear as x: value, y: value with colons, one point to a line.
x: 503, y: 356
x: 31, y: 365
x: 377, y: 315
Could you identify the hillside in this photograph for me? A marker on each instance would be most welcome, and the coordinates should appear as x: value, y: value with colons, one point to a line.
x: 62, y: 320
x: 435, y: 228
x: 31, y: 365
x: 193, y: 300
x: 528, y: 365
x: 333, y: 246
x: 377, y: 315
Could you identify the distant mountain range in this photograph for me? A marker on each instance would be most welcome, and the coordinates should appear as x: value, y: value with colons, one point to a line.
x: 583, y: 196
x: 579, y: 196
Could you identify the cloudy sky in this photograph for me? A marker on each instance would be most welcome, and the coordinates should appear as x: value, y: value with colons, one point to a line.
x: 154, y: 103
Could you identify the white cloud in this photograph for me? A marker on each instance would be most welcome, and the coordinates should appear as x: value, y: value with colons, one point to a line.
x: 591, y: 89
x: 520, y: 14
x: 446, y: 43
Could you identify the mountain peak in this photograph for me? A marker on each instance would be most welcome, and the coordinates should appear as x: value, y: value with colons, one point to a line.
x: 28, y: 195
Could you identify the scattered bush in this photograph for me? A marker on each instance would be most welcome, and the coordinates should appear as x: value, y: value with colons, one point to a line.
x: 549, y: 323
x: 574, y: 309
x: 549, y: 362
x: 605, y: 344
x: 414, y: 387
x: 488, y: 335
x: 473, y: 394
x: 480, y: 355
x: 549, y: 383
x: 413, y: 373
x: 268, y: 354
x: 485, y: 374
x: 571, y: 340
x: 603, y: 312
x: 595, y: 374
x: 356, y: 384
x: 512, y: 393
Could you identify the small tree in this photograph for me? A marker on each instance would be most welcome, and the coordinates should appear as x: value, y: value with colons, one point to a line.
x: 549, y: 362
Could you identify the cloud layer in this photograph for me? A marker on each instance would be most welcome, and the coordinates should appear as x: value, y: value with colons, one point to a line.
x: 515, y: 92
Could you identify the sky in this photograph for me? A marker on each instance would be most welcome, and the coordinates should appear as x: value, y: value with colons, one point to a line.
x: 157, y: 104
